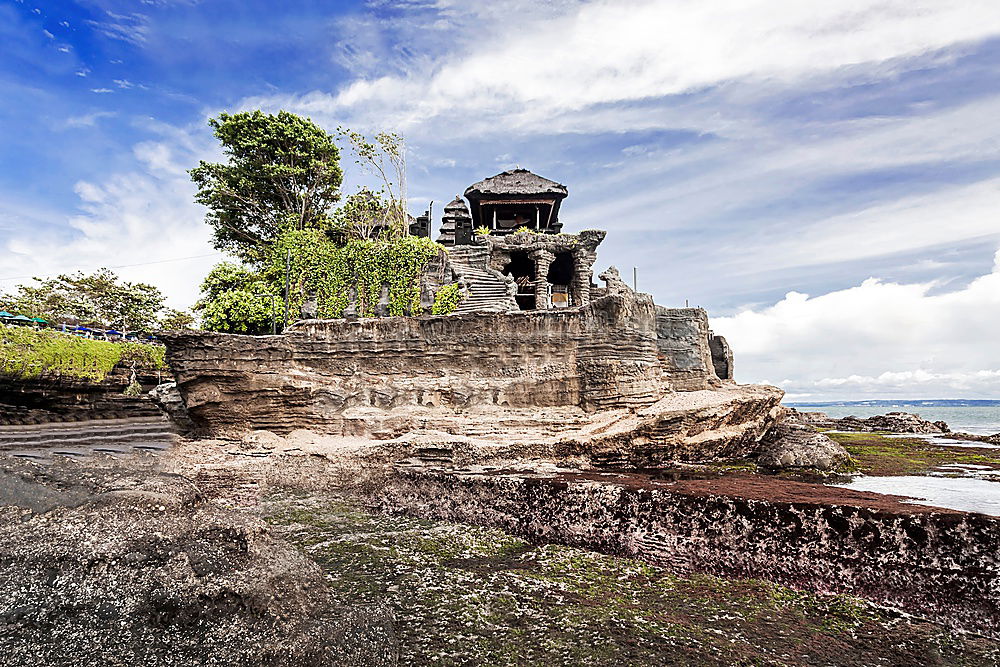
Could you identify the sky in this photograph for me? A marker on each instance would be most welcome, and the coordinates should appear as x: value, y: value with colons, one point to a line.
x: 822, y: 177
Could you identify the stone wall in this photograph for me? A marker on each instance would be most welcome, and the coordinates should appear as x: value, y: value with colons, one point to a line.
x: 600, y: 356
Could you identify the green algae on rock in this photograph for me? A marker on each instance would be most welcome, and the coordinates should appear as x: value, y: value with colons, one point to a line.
x: 470, y: 595
x: 885, y: 454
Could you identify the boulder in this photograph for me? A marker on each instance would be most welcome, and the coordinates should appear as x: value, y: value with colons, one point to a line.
x: 792, y: 445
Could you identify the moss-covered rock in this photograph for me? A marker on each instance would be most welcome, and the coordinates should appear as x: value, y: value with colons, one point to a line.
x: 464, y: 595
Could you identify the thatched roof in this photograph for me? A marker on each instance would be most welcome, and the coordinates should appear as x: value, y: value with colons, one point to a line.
x: 515, y: 182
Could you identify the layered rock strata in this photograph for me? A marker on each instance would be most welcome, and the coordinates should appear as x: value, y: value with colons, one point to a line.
x: 612, y: 367
x: 58, y: 399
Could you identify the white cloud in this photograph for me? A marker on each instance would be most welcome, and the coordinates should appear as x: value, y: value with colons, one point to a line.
x: 131, y: 28
x: 101, y: 90
x: 88, y: 120
x: 608, y: 52
x: 146, y: 218
x: 875, y: 339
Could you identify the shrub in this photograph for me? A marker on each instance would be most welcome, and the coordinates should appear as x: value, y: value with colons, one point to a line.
x: 446, y: 300
x: 29, y: 353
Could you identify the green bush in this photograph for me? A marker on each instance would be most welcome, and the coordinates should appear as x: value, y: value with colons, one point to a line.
x: 329, y: 271
x: 29, y: 353
x: 446, y: 300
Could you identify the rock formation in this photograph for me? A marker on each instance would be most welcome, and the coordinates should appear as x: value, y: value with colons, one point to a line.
x: 890, y: 422
x: 104, y: 566
x: 619, y: 369
x: 936, y: 563
x: 791, y: 445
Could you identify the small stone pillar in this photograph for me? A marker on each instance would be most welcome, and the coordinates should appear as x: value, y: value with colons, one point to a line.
x: 543, y: 260
x: 581, y: 287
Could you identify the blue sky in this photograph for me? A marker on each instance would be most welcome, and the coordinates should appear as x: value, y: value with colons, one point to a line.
x: 742, y: 154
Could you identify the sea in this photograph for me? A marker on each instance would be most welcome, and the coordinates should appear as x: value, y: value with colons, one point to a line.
x: 975, y: 419
x: 966, y: 487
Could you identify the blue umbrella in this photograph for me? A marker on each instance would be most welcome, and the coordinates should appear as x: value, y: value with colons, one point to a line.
x: 112, y: 332
x: 21, y: 318
x: 81, y: 329
x: 4, y: 313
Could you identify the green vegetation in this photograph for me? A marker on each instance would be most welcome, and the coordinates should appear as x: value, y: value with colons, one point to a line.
x: 879, y: 454
x: 482, y: 230
x: 100, y: 299
x: 271, y: 205
x: 465, y: 595
x: 238, y: 300
x: 173, y: 319
x: 446, y: 300
x: 329, y: 271
x: 281, y: 172
x: 28, y: 353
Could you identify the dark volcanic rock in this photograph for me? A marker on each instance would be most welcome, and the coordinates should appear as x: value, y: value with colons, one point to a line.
x: 937, y: 563
x: 58, y: 399
x: 99, y: 566
x: 891, y: 422
x: 791, y: 445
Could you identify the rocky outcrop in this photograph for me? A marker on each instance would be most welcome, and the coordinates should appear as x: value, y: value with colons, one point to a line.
x: 684, y: 426
x: 891, y: 422
x: 56, y: 399
x: 792, y: 445
x: 171, y: 403
x: 100, y: 566
x: 597, y: 357
x: 722, y: 356
x: 935, y: 563
x: 682, y: 339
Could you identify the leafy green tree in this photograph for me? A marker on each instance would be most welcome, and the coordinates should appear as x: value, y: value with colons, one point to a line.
x: 237, y: 300
x: 282, y: 172
x: 100, y: 299
x: 172, y: 320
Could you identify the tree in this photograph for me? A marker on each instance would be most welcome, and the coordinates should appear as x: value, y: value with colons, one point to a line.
x: 364, y: 215
x: 236, y: 300
x: 385, y: 158
x: 282, y: 172
x: 172, y: 320
x: 101, y: 299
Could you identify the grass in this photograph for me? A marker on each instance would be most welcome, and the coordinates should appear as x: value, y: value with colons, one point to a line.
x: 465, y: 595
x: 29, y: 353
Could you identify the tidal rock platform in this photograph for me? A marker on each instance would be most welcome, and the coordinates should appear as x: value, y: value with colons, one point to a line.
x: 104, y: 564
x: 935, y: 563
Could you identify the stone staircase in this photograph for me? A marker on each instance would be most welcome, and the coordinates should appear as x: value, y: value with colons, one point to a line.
x: 487, y: 287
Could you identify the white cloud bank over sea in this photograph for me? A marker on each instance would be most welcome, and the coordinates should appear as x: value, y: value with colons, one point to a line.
x: 876, y: 340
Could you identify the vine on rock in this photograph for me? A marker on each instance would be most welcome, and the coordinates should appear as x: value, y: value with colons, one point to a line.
x: 363, y: 267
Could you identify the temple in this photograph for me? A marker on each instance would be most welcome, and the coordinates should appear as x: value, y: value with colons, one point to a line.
x: 507, y: 246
